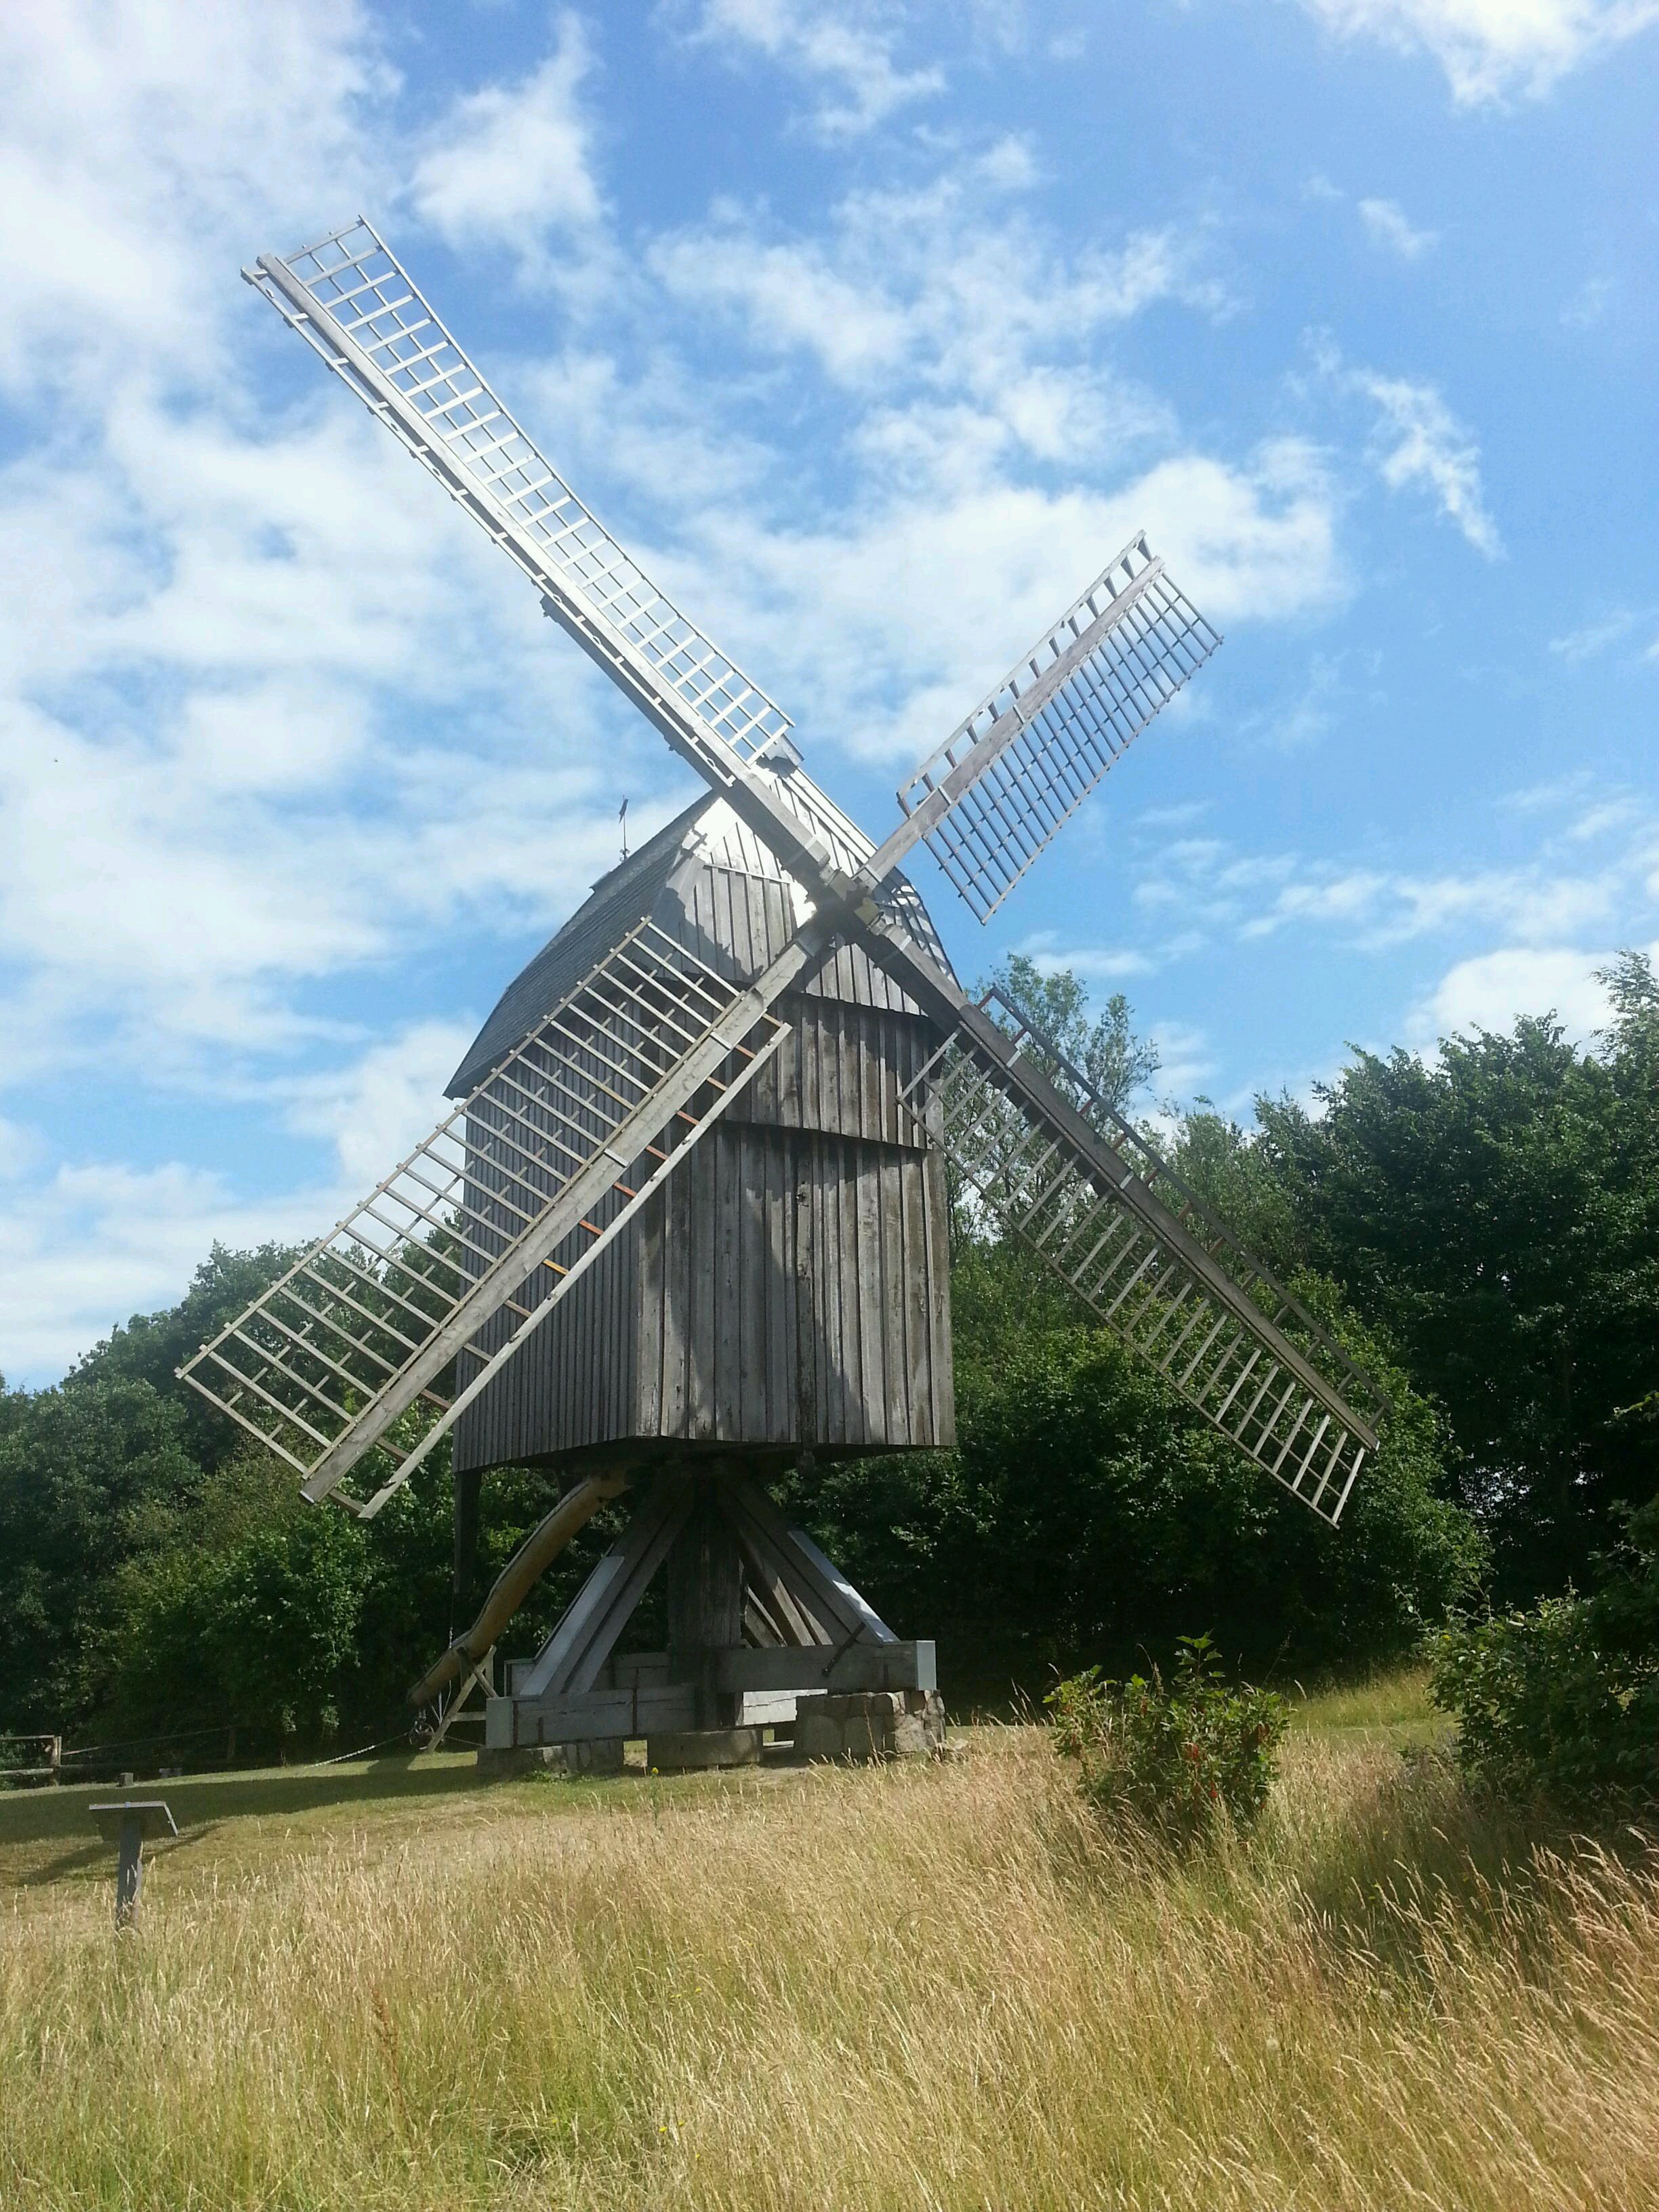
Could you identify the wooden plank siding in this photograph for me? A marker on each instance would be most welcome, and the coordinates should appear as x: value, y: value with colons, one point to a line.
x: 789, y: 1287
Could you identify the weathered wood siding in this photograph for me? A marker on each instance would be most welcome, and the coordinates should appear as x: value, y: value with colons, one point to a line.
x: 790, y: 1286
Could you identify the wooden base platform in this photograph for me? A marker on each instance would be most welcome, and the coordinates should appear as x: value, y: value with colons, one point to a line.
x: 761, y: 1625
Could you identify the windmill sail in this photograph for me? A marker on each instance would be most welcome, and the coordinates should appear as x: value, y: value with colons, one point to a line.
x: 1087, y: 1194
x: 1109, y: 1217
x: 354, y: 304
x: 585, y: 1117
x: 992, y: 796
x: 348, y: 296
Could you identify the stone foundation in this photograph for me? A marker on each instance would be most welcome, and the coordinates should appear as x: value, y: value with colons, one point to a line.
x: 871, y: 1724
x: 685, y: 1750
x: 604, y: 1755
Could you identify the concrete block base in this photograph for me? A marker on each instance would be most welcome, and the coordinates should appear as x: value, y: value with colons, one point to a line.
x: 604, y: 1755
x: 685, y: 1750
x: 871, y: 1724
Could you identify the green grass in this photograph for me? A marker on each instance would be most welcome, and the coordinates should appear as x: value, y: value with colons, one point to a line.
x: 255, y: 1816
x: 944, y: 1986
x: 1386, y: 1708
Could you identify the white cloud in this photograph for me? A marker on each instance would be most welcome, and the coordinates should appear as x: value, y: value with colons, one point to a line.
x: 1307, y: 714
x: 93, y: 1241
x: 1491, y: 990
x: 220, y: 787
x: 1185, y: 1059
x: 374, y: 1110
x: 21, y: 1149
x: 1419, y: 441
x: 1172, y: 817
x: 96, y: 1242
x: 952, y: 290
x: 1552, y: 795
x: 1598, y: 821
x: 1090, y: 964
x: 895, y: 625
x: 1589, y: 303
x: 1593, y: 638
x: 1385, y: 225
x: 247, y: 809
x: 1493, y: 49
x: 967, y: 347
x: 1208, y: 883
x: 1381, y: 907
x: 515, y: 160
x: 136, y: 144
x: 843, y: 48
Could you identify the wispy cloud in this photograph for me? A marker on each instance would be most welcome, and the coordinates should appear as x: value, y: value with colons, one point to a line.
x: 1251, y: 897
x: 845, y: 54
x: 86, y: 1245
x: 1092, y: 963
x: 513, y: 162
x: 1385, y: 225
x: 1599, y: 634
x: 951, y: 285
x: 1420, y: 442
x: 1589, y: 303
x: 1307, y: 714
x: 1493, y: 50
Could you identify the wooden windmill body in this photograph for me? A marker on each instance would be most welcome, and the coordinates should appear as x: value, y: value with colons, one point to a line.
x: 688, y: 1219
x: 788, y: 1292
x: 789, y: 1289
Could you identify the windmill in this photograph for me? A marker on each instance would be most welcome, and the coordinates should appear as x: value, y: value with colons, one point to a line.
x: 686, y: 1220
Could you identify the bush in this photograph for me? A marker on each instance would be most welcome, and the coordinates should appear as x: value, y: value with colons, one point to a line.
x: 1090, y: 1516
x: 1563, y: 1702
x: 1180, y: 1756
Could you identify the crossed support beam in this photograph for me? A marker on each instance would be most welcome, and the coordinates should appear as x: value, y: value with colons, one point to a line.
x: 757, y: 1616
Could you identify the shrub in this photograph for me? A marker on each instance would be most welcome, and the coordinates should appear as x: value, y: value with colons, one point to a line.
x: 1090, y: 1514
x: 1180, y: 1756
x: 1563, y: 1702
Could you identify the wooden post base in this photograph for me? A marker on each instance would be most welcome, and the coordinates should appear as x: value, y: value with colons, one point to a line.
x: 761, y: 1626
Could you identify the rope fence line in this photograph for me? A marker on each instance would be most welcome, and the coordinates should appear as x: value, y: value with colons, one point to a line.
x: 61, y: 1758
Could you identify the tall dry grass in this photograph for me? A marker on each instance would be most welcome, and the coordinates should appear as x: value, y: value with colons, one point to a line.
x: 903, y: 1988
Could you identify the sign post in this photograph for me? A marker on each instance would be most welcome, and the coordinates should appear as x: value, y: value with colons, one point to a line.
x: 130, y: 1825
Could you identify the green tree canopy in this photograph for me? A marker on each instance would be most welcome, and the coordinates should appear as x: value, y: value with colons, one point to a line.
x: 1496, y: 1210
x: 89, y: 1476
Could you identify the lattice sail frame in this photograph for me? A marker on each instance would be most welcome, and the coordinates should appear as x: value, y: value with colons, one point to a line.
x: 589, y: 1114
x: 995, y: 792
x: 1215, y: 1322
x: 370, y: 297
x: 1060, y: 718
x: 355, y: 305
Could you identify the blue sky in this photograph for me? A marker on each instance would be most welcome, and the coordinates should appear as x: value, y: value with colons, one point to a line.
x: 875, y: 330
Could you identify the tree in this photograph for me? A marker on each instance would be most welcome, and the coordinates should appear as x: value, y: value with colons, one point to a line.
x: 1563, y: 1701
x: 247, y: 1618
x: 89, y: 1475
x: 1498, y: 1213
x: 151, y: 1347
x: 1089, y: 1517
x: 1117, y: 1063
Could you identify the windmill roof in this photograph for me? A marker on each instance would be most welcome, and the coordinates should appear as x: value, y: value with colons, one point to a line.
x: 615, y: 902
x: 707, y: 830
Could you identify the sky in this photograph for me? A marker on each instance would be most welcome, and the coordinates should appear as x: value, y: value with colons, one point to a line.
x: 874, y: 331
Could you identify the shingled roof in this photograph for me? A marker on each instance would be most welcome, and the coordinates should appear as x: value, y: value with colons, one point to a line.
x: 633, y: 889
x: 615, y: 902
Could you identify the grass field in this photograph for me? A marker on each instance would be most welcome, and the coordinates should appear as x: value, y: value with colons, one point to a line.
x: 944, y: 1986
